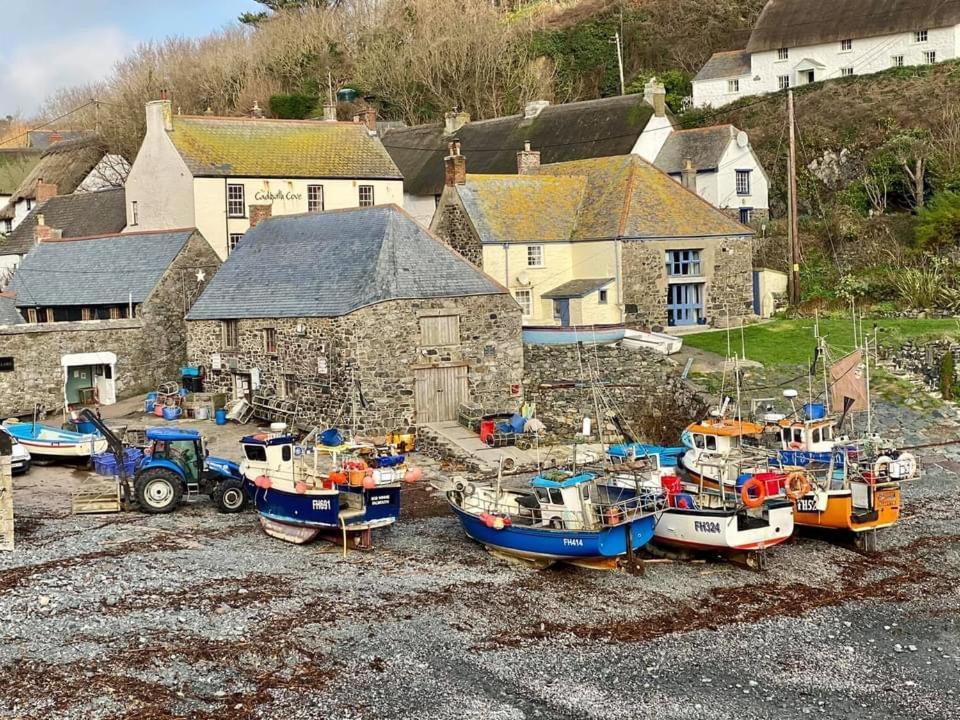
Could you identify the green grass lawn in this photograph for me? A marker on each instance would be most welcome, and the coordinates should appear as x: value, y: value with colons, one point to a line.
x: 782, y: 342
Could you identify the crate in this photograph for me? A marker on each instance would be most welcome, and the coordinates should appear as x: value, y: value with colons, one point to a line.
x: 469, y: 416
x: 106, y: 464
x: 96, y: 494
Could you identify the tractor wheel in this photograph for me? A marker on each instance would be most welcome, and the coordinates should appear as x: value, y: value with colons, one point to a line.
x: 158, y: 490
x: 230, y: 496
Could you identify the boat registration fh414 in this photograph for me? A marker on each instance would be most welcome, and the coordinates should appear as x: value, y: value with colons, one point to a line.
x: 321, y: 504
x: 576, y: 542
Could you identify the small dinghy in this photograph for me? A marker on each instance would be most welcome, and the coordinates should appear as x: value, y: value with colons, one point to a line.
x: 48, y: 442
x: 637, y: 340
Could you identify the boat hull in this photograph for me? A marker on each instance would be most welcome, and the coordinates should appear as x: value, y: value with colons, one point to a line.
x: 637, y: 341
x: 45, y: 441
x: 725, y: 531
x: 590, y: 335
x: 838, y: 513
x: 322, y: 508
x: 557, y: 544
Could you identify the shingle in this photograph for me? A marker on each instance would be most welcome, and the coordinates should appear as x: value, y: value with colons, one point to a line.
x: 105, y: 270
x: 8, y: 310
x: 730, y: 64
x: 704, y: 146
x: 581, y: 287
x: 572, y: 131
x: 330, y: 264
x: 78, y: 215
x: 219, y: 147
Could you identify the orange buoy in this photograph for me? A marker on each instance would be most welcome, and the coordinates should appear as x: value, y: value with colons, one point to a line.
x: 263, y: 481
x: 413, y: 475
x: 300, y: 487
x: 796, y: 485
x: 369, y: 483
x: 753, y: 493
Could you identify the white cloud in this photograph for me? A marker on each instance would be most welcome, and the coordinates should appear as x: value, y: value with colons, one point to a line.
x: 29, y: 73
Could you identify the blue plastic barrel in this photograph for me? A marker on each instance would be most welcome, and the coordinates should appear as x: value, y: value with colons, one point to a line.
x: 221, y: 416
x: 814, y: 411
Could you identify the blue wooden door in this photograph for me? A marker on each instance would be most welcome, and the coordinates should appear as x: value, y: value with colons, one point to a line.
x: 756, y: 292
x: 685, y: 304
x: 561, y: 311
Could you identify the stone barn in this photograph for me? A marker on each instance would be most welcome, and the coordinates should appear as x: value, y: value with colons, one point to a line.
x: 359, y: 318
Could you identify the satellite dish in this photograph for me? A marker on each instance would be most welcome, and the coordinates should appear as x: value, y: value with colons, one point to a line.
x: 789, y: 394
x: 523, y: 278
x: 742, y: 139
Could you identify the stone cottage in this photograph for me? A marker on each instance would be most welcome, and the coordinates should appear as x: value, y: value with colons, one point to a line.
x: 598, y: 243
x: 104, y: 317
x: 362, y: 317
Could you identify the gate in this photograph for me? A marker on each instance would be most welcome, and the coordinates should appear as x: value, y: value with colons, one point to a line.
x: 439, y: 392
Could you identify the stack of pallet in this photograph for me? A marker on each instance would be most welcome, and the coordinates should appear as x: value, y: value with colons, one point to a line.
x: 96, y: 494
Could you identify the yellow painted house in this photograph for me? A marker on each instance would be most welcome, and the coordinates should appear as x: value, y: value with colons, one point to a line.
x: 598, y: 244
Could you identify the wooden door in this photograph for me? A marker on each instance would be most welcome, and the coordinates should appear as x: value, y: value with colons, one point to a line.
x: 439, y: 393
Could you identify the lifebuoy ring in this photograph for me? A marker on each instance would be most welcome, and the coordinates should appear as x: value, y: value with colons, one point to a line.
x: 796, y: 485
x: 469, y: 490
x: 794, y: 445
x: 751, y: 486
x: 881, y: 466
x: 903, y: 467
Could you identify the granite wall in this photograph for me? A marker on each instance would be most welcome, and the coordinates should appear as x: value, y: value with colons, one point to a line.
x: 451, y: 225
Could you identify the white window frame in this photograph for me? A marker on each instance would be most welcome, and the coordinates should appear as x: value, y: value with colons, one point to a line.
x: 733, y: 86
x: 535, y: 256
x: 524, y: 298
x: 846, y: 71
x: 921, y: 36
x: 743, y: 188
x: 897, y: 60
x: 783, y: 54
x: 360, y: 191
x: 749, y: 215
x: 846, y: 45
x: 234, y: 203
x: 929, y: 57
x: 602, y: 296
x: 315, y: 198
x: 783, y: 82
x: 134, y: 213
x: 229, y: 333
x: 233, y: 239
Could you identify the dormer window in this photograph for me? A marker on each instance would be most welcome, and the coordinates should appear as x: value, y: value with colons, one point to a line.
x: 733, y: 86
x: 846, y: 45
x: 783, y: 54
x: 920, y: 36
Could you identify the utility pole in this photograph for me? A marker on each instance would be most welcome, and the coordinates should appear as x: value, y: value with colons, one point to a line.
x: 793, y: 225
x: 616, y: 39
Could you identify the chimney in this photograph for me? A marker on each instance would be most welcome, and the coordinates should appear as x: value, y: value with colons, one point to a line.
x: 454, y: 166
x: 453, y: 121
x: 330, y: 112
x: 159, y: 116
x: 256, y: 111
x: 54, y: 138
x: 356, y: 119
x: 44, y: 232
x: 534, y: 108
x: 44, y: 191
x: 370, y: 119
x: 258, y: 213
x: 528, y: 161
x: 688, y: 175
x: 656, y: 95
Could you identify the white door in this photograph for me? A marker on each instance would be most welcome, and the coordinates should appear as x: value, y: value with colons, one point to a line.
x: 105, y: 384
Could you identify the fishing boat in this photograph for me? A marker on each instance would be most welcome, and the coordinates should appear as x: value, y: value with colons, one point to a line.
x: 565, y: 516
x: 630, y: 452
x: 301, y: 492
x: 572, y: 334
x: 45, y: 442
x: 639, y: 340
x: 720, y: 450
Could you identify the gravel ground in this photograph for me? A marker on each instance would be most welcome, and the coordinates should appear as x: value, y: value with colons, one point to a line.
x: 201, y: 615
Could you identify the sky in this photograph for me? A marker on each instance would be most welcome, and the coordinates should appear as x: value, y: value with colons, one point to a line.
x: 49, y: 44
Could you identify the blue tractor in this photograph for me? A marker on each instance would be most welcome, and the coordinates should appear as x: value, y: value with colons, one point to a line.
x: 175, y: 464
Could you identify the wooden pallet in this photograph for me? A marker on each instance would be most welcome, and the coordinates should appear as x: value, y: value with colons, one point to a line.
x: 96, y: 494
x: 6, y: 504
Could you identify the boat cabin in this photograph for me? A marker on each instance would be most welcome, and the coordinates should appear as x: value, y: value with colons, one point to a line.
x: 721, y: 435
x: 265, y: 454
x: 564, y: 503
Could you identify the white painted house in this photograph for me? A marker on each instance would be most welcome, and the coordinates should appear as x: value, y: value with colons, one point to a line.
x: 797, y: 42
x: 221, y: 175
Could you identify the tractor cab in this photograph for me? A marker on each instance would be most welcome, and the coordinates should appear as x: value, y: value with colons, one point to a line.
x: 182, y: 451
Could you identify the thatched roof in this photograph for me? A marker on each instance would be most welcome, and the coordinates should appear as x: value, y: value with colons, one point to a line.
x: 15, y: 163
x: 66, y: 164
x: 795, y: 23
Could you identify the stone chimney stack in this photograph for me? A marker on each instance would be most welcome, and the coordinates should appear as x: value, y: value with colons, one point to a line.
x: 528, y: 161
x: 159, y: 115
x: 656, y: 95
x: 44, y: 191
x: 256, y: 111
x: 454, y: 166
x: 688, y: 175
x: 258, y: 213
x: 370, y: 120
x: 44, y: 232
x: 54, y: 138
x: 453, y: 121
x: 330, y: 112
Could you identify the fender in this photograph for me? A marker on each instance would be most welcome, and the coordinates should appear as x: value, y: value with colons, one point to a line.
x: 224, y: 467
x: 151, y: 462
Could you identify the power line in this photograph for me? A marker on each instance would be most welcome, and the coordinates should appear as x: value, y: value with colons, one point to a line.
x: 51, y: 122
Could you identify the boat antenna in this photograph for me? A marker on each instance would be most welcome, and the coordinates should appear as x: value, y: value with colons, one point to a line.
x: 866, y: 360
x: 736, y: 376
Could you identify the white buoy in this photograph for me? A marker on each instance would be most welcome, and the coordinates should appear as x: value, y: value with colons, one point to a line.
x: 278, y: 427
x: 586, y: 427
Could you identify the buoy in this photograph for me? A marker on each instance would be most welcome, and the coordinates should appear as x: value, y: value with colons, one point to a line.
x: 498, y: 523
x: 369, y: 483
x: 413, y: 475
x: 262, y: 481
x: 751, y: 486
x: 300, y: 486
x: 796, y: 485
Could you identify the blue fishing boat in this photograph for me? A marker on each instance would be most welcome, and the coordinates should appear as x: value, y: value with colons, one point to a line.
x: 562, y: 516
x: 669, y: 456
x: 299, y: 495
x: 53, y: 443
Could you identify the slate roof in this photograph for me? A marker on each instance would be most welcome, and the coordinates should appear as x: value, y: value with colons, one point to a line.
x: 622, y: 196
x: 572, y: 131
x: 704, y: 146
x: 729, y: 64
x: 78, y: 215
x: 8, y: 310
x: 795, y: 23
x: 330, y: 264
x: 40, y: 139
x: 15, y: 164
x: 104, y: 270
x: 581, y: 287
x: 221, y: 147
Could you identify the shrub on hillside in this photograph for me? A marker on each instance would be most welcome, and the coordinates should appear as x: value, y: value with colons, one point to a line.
x: 938, y: 222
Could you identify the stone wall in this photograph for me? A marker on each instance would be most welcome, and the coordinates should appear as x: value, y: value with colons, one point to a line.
x: 730, y: 281
x: 317, y: 359
x: 644, y: 283
x: 554, y: 380
x: 452, y: 226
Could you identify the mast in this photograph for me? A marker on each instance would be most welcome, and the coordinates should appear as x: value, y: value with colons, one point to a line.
x: 793, y: 225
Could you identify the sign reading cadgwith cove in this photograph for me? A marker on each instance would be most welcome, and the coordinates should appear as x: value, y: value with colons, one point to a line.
x: 262, y: 195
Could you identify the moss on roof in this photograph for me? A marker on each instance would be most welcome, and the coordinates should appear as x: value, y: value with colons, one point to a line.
x: 15, y: 164
x: 219, y: 147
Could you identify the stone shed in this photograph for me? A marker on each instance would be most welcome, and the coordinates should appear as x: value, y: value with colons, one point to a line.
x: 103, y: 317
x: 362, y: 318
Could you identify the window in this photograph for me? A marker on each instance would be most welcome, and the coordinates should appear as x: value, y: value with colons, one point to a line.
x: 920, y: 36
x: 257, y: 453
x: 315, y: 198
x: 698, y: 441
x: 783, y: 82
x: 7, y: 226
x: 743, y: 182
x: 783, y: 54
x: 846, y: 45
x: 366, y: 196
x: 534, y: 255
x: 733, y: 86
x: 815, y: 436
x: 270, y: 341
x: 228, y: 334
x: 556, y: 497
x: 134, y: 213
x: 681, y: 263
x: 29, y: 204
x: 602, y: 297
x: 439, y: 330
x: 897, y: 61
x: 6, y: 364
x: 930, y: 57
x: 234, y: 240
x: 525, y: 300
x: 711, y: 442
x: 846, y: 72
x: 746, y: 215
x: 235, y: 203
x: 286, y: 453
x: 37, y: 315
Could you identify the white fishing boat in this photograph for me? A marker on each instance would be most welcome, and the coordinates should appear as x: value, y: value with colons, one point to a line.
x: 53, y: 443
x: 637, y: 340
